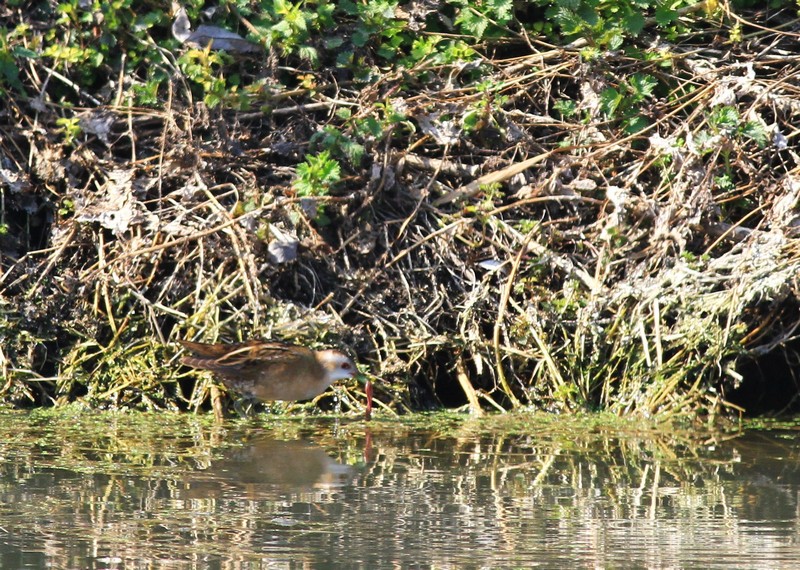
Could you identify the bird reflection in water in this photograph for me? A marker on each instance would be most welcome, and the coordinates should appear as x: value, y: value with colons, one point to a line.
x: 265, y: 466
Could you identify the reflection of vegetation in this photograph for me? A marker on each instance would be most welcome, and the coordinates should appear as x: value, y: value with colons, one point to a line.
x: 114, y: 444
x: 603, y: 224
x: 145, y: 487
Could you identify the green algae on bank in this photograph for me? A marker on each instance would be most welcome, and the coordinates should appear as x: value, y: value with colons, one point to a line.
x: 121, y: 441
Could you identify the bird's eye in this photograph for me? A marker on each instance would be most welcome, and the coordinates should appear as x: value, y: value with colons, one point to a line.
x: 345, y: 366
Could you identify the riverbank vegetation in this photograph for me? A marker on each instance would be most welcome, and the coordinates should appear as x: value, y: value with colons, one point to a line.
x: 569, y: 205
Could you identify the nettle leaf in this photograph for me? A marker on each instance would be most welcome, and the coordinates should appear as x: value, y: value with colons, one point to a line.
x: 566, y: 107
x: 331, y: 172
x: 665, y: 15
x: 501, y: 10
x: 476, y: 18
x: 283, y: 28
x: 424, y: 47
x: 360, y: 37
x: 755, y: 131
x: 386, y: 51
x: 317, y: 174
x: 635, y: 124
x: 370, y: 126
x: 615, y: 39
x: 610, y: 100
x: 634, y: 23
x: 724, y: 118
x: 353, y: 151
x: 348, y: 7
x: 325, y: 13
x: 589, y: 15
x: 333, y: 42
x: 642, y: 85
x: 705, y: 142
x: 569, y: 22
x: 471, y: 120
x: 472, y: 23
x: 309, y: 54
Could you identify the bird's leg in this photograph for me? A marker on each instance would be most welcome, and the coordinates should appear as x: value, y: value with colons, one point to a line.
x: 368, y: 392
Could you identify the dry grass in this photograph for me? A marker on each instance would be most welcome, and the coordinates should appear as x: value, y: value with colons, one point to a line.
x: 551, y: 260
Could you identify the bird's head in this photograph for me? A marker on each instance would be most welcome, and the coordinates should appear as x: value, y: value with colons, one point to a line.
x: 336, y: 364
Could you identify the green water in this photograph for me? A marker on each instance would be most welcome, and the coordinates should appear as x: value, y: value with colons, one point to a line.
x: 87, y: 490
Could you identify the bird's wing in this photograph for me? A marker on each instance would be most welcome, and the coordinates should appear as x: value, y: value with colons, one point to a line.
x: 255, y: 353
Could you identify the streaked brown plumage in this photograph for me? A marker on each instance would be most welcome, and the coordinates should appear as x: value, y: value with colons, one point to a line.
x: 267, y: 370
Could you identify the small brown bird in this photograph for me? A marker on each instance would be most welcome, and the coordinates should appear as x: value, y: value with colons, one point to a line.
x: 267, y: 370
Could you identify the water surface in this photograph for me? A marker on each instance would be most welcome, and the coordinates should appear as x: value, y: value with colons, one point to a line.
x: 168, y: 491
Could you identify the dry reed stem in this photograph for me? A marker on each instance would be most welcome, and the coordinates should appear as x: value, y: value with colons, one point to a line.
x: 463, y: 380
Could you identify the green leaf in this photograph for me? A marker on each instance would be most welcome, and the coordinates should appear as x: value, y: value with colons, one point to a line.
x: 566, y: 107
x: 9, y: 71
x: 755, y: 131
x: 665, y: 15
x: 634, y: 23
x: 724, y: 118
x: 615, y: 40
x: 317, y: 174
x: 471, y: 120
x: 472, y: 23
x: 370, y: 126
x: 635, y: 124
x: 353, y: 151
x: 309, y: 54
x: 19, y: 51
x: 500, y: 10
x: 334, y: 42
x: 642, y: 86
x: 360, y: 37
x: 610, y: 100
x: 569, y: 22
